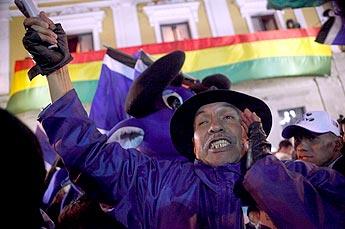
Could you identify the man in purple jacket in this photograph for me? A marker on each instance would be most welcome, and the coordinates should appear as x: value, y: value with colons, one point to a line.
x: 215, y: 125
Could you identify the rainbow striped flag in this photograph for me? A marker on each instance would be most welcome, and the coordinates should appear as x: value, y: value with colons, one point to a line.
x: 262, y: 55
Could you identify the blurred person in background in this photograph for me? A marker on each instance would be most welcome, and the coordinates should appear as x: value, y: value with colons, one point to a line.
x: 253, y: 214
x: 318, y: 140
x: 285, y: 150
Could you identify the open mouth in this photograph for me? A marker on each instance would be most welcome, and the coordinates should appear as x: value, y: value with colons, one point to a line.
x: 219, y: 144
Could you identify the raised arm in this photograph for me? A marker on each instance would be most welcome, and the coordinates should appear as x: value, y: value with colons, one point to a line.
x: 41, y: 34
x: 259, y: 147
x: 59, y: 83
x: 105, y: 170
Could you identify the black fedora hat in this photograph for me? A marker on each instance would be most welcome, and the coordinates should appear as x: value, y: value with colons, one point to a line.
x: 181, y: 125
x: 144, y: 90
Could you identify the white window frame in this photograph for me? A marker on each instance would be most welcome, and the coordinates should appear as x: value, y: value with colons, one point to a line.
x: 171, y: 14
x: 79, y: 23
x: 77, y: 18
x: 250, y: 8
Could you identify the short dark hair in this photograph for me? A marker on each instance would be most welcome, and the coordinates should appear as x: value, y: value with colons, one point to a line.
x: 252, y: 208
x: 342, y: 121
x: 284, y: 143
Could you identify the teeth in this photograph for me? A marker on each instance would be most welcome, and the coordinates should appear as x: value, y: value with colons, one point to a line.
x: 219, y: 144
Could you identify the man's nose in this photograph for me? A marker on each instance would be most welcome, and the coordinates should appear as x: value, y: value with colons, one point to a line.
x: 215, y: 127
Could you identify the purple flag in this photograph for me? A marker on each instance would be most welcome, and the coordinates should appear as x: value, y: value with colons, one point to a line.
x: 118, y: 72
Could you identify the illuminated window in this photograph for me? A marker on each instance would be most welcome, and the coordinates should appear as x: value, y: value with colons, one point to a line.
x: 264, y: 22
x: 175, y: 32
x: 80, y: 42
x: 290, y: 116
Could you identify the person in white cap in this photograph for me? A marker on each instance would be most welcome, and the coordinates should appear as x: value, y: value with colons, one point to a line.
x: 318, y: 140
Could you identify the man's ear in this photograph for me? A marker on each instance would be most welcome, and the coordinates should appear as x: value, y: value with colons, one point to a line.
x: 338, y: 144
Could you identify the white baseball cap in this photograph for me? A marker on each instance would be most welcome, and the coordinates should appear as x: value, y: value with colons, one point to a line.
x: 315, y: 121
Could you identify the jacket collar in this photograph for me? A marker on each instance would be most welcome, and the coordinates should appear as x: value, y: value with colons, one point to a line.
x: 213, y: 177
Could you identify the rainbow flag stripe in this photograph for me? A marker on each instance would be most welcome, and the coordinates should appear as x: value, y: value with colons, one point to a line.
x: 281, y: 53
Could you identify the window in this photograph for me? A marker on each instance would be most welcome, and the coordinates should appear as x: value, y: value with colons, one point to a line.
x: 258, y: 17
x: 264, y: 22
x: 92, y: 22
x: 290, y: 116
x: 184, y: 15
x: 80, y: 42
x: 175, y: 32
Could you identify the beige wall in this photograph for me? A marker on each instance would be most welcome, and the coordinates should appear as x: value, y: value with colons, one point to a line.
x: 203, y: 25
x: 311, y: 17
x: 239, y: 23
x: 17, y: 51
x: 146, y: 30
x: 107, y: 36
x: 289, y: 14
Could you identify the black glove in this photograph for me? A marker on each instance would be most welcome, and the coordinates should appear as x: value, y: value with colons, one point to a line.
x: 259, y: 147
x: 47, y: 60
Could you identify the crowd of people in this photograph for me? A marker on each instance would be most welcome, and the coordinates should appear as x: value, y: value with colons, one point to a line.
x: 221, y: 133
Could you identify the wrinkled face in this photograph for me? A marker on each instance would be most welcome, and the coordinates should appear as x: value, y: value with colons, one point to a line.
x: 320, y: 149
x: 219, y: 137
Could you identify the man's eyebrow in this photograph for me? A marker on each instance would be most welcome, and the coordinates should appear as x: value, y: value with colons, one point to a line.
x: 235, y: 109
x: 198, y: 113
x: 225, y: 104
x: 232, y: 106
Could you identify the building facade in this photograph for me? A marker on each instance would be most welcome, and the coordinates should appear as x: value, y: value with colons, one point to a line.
x: 94, y: 24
